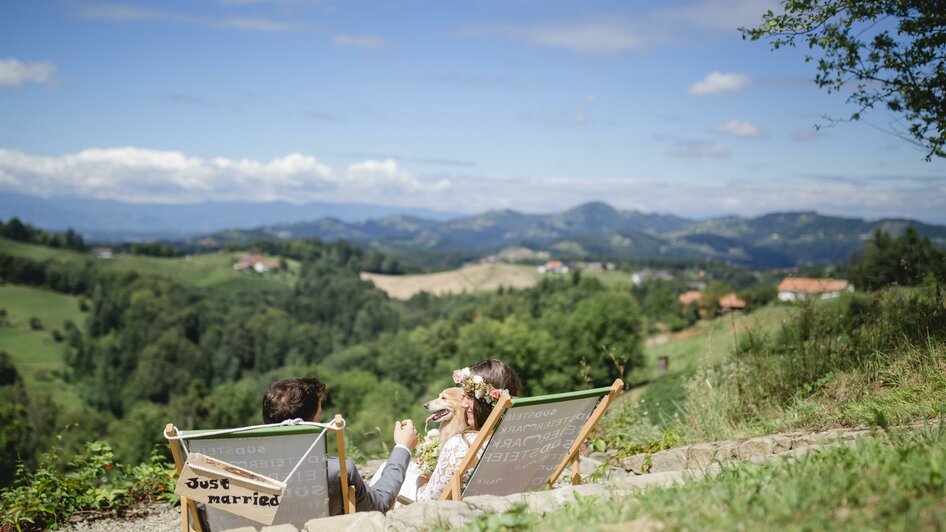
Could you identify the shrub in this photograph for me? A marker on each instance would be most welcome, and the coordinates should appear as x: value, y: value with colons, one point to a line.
x: 91, y: 482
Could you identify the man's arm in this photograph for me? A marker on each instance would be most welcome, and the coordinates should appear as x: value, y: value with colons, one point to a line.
x: 380, y: 497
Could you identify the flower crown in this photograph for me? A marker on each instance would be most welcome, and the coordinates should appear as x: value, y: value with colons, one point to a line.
x: 475, y: 385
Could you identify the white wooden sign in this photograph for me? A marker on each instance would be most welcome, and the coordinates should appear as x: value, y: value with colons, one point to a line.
x: 236, y: 490
x: 306, y: 494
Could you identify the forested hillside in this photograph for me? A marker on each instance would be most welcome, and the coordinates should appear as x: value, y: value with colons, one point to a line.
x: 155, y: 347
x: 100, y: 354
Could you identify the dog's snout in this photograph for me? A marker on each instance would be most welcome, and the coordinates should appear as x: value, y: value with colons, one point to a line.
x: 427, y: 404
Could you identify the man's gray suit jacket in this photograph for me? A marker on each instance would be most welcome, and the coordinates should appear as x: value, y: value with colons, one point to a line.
x: 379, y: 497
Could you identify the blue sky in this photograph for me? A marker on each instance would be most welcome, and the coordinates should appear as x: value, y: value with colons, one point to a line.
x: 459, y: 106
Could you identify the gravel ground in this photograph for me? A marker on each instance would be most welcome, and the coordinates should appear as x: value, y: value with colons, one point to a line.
x: 156, y: 518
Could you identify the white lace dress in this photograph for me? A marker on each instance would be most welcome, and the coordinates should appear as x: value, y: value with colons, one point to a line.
x: 451, y: 454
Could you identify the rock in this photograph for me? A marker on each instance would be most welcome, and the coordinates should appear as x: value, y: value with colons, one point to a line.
x: 616, y: 474
x: 286, y: 527
x: 855, y: 434
x: 604, y: 457
x: 701, y: 456
x: 669, y: 460
x: 782, y: 443
x: 726, y: 451
x: 370, y: 521
x: 589, y: 464
x: 800, y: 442
x: 828, y: 436
x: 668, y: 478
x: 635, y: 463
x: 490, y: 503
x: 428, y: 514
x: 755, y: 448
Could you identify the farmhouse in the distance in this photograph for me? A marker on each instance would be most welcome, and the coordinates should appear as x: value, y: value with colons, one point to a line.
x: 255, y: 262
x: 554, y: 266
x: 731, y: 302
x: 802, y: 288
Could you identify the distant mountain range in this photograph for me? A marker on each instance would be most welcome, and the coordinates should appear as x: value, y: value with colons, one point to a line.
x: 115, y: 221
x: 597, y: 230
x: 590, y: 231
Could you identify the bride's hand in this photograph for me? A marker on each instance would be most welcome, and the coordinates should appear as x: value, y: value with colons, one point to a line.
x: 422, y: 480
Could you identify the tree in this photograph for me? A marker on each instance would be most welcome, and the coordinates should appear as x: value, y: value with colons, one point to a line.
x: 605, y: 334
x: 907, y: 261
x: 885, y: 53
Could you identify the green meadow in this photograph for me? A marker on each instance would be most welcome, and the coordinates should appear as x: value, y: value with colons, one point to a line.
x: 38, y: 357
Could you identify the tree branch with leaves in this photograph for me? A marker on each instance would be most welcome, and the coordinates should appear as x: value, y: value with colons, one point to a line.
x: 885, y: 53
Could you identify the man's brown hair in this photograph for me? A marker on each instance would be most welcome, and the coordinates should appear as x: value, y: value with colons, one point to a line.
x: 292, y: 399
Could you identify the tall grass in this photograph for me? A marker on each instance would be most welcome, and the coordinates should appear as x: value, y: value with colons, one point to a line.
x: 863, y: 359
x: 866, y: 358
x: 897, y: 482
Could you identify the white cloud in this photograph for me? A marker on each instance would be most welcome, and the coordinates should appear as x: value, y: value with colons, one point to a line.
x: 600, y: 37
x: 719, y: 15
x: 149, y: 176
x: 694, y: 149
x: 718, y: 82
x: 14, y: 73
x: 632, y: 29
x: 808, y: 133
x: 365, y: 42
x: 128, y: 13
x: 143, y: 175
x: 738, y: 129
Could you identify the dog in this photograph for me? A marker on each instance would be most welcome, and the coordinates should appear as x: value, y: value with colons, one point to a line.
x: 446, y: 411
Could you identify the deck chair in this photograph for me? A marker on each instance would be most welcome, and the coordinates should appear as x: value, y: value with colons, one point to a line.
x: 528, y: 442
x: 267, y: 459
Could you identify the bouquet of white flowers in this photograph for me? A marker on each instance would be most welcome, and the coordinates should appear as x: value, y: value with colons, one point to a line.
x: 426, y: 453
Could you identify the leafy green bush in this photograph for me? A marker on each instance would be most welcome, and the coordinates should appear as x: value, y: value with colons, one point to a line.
x: 91, y: 482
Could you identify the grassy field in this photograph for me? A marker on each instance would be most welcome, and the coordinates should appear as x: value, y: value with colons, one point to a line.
x: 474, y: 277
x: 204, y: 270
x: 467, y: 279
x: 37, y: 356
x: 706, y: 343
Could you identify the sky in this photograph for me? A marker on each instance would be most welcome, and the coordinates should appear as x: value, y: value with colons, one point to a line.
x: 530, y: 105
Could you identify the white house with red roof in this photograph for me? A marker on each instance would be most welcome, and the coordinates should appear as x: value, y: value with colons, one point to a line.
x: 802, y: 288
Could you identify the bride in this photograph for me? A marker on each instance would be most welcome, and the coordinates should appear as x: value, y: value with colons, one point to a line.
x: 483, y: 383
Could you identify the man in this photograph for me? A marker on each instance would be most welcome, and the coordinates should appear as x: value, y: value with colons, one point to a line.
x: 302, y: 399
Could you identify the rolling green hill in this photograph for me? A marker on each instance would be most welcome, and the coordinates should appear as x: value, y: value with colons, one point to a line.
x: 203, y: 270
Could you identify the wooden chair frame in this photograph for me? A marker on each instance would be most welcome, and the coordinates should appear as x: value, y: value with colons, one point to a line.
x: 189, y: 518
x: 454, y: 490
